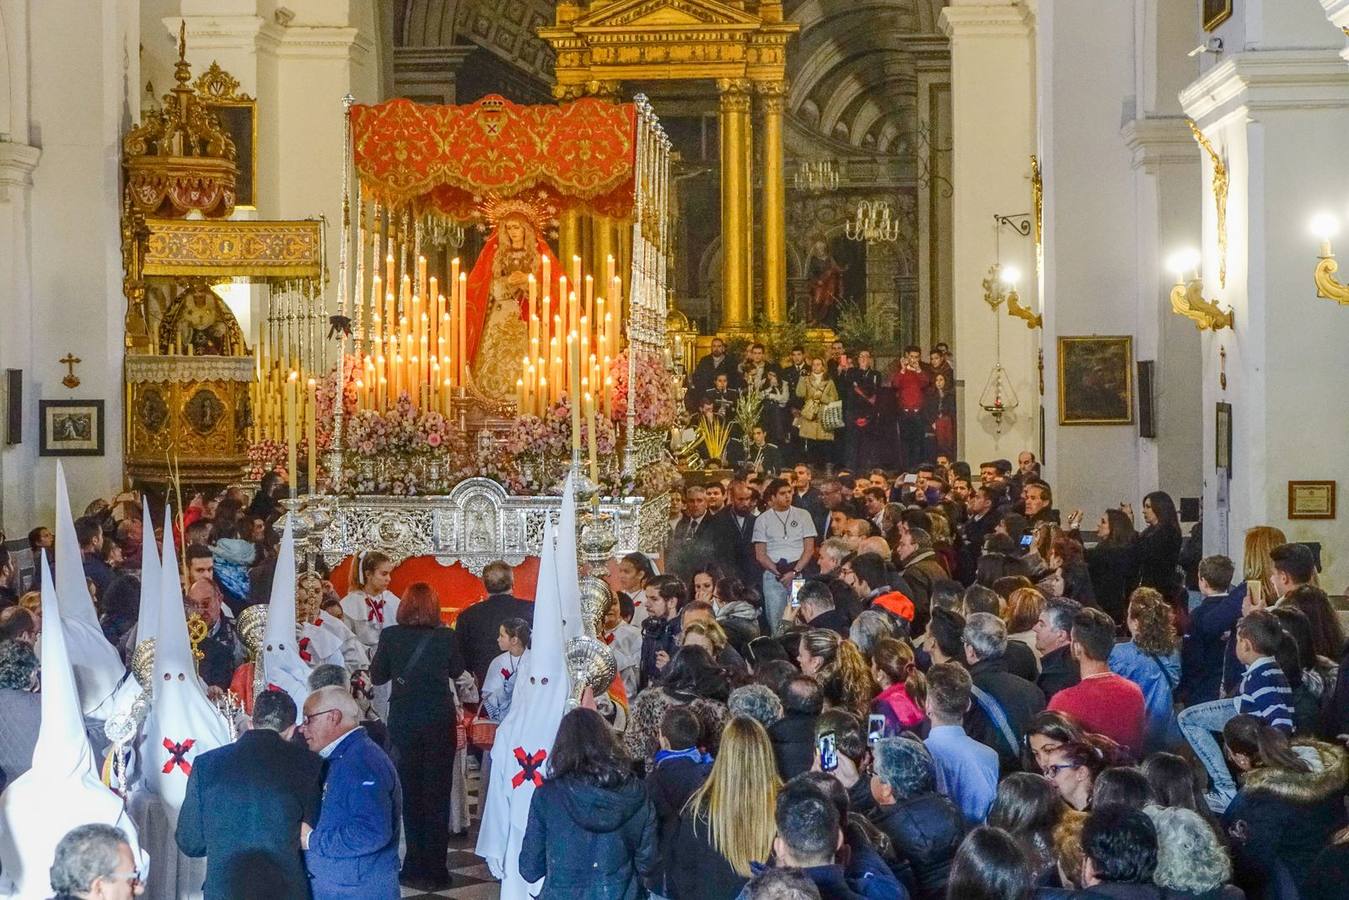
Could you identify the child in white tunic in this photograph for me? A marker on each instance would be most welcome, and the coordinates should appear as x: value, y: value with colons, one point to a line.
x: 372, y: 607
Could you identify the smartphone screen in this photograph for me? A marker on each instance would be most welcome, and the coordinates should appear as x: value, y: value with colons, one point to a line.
x: 1256, y: 589
x: 828, y: 752
x: 1027, y: 540
x: 875, y: 728
x: 796, y: 590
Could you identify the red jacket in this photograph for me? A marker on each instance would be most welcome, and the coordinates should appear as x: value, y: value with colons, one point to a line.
x: 910, y: 388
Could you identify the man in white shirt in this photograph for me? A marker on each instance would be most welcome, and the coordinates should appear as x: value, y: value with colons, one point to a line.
x: 784, y: 544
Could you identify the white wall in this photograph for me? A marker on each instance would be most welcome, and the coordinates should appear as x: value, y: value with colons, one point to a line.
x: 63, y: 292
x: 1121, y: 189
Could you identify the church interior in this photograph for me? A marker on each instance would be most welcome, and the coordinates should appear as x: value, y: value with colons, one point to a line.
x: 424, y: 272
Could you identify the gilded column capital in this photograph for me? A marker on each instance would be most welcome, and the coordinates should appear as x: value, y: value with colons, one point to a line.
x: 734, y: 93
x: 772, y: 95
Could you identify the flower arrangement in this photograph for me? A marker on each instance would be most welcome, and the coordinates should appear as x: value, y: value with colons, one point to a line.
x: 656, y: 403
x: 264, y: 457
x: 534, y: 455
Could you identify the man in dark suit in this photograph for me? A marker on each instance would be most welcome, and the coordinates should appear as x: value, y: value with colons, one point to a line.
x: 980, y: 521
x: 807, y: 497
x: 718, y: 362
x: 694, y: 538
x: 792, y: 373
x: 245, y: 804
x: 737, y: 520
x: 861, y: 413
x: 352, y: 852
x: 477, y: 627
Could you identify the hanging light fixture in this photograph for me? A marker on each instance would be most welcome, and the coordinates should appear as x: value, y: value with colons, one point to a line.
x: 873, y: 223
x: 998, y: 397
x: 815, y: 176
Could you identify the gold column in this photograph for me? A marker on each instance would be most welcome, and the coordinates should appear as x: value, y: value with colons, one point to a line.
x: 774, y: 203
x: 736, y: 144
x: 568, y: 239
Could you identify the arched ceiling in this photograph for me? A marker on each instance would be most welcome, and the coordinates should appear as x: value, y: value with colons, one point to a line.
x: 852, y: 68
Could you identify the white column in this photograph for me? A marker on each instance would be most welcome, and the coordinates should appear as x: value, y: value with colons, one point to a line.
x: 993, y: 100
x: 17, y: 491
x: 1281, y: 118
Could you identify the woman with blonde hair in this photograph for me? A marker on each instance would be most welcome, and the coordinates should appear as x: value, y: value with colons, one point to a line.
x: 705, y: 633
x: 1257, y: 567
x: 729, y: 822
x: 1151, y: 660
x: 1021, y: 612
x: 840, y: 668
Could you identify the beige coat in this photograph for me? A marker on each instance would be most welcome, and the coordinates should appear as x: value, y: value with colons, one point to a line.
x: 817, y: 392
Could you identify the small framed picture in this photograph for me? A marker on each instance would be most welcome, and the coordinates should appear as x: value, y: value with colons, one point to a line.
x: 70, y: 427
x: 1216, y: 12
x: 1096, y: 385
x: 1311, y: 499
x: 1222, y: 433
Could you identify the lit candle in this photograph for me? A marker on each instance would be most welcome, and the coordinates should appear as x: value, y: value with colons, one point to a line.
x: 520, y: 396
x: 590, y: 438
x: 589, y: 312
x: 388, y: 270
x: 311, y: 436
x: 292, y: 427
x: 574, y: 388
x: 533, y: 307
x: 543, y: 394
x: 463, y: 328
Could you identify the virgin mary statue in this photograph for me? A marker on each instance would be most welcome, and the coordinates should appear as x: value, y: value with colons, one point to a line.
x: 498, y: 295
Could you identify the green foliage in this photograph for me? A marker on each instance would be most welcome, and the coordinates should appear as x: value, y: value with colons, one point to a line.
x: 874, y: 326
x: 779, y: 338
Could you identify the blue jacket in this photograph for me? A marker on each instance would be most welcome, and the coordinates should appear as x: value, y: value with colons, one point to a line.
x: 353, y: 850
x: 1204, y: 652
x: 1156, y: 677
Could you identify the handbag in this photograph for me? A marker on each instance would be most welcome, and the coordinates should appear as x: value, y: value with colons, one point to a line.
x: 832, y: 417
x: 810, y: 410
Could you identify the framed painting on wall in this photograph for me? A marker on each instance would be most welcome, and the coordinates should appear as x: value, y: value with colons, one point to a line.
x: 1096, y: 383
x: 1311, y: 499
x: 1222, y: 436
x: 1216, y: 12
x: 70, y: 427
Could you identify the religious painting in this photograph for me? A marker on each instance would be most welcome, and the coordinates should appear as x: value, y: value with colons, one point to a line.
x: 238, y: 115
x: 1216, y: 12
x: 1096, y: 380
x: 1311, y: 499
x: 70, y: 427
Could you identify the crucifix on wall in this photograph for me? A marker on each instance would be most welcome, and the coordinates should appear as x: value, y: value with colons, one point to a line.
x: 70, y: 361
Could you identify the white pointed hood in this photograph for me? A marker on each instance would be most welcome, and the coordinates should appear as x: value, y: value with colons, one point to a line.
x: 182, y: 723
x: 568, y: 582
x: 281, y: 663
x: 147, y: 619
x: 524, y: 740
x: 62, y: 789
x: 98, y: 667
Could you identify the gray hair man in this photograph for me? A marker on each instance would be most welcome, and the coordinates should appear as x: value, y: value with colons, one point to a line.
x: 1004, y: 704
x: 95, y: 862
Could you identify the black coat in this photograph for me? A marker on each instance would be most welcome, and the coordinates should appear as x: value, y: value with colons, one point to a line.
x: 695, y: 870
x: 1020, y: 660
x: 588, y: 841
x: 477, y: 627
x: 657, y: 635
x: 1205, y: 646
x: 834, y: 620
x: 1020, y: 701
x: 741, y: 552
x: 973, y: 533
x: 1114, y: 571
x: 669, y: 785
x: 1058, y: 670
x: 1158, y: 554
x: 793, y: 738
x: 926, y: 830
x: 422, y: 698
x: 244, y: 805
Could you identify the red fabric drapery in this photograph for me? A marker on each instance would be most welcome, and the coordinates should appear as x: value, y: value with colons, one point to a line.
x: 579, y: 154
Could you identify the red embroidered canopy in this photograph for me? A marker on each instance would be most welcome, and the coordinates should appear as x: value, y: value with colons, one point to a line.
x: 448, y: 158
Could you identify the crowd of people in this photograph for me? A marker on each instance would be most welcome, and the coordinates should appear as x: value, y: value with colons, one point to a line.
x: 832, y: 410
x: 882, y: 683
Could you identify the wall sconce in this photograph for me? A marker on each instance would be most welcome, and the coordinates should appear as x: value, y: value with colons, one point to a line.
x: 1325, y: 226
x: 1187, y: 297
x: 1000, y: 287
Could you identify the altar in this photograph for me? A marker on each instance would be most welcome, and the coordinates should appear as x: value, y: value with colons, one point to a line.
x: 467, y: 387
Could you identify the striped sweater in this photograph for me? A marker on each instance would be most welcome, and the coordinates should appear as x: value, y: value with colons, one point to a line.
x: 1265, y: 694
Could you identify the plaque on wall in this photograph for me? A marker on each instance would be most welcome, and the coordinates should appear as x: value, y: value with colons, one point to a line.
x: 1311, y: 499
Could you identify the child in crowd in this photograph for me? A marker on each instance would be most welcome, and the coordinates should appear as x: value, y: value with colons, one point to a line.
x: 1264, y: 693
x: 499, y: 685
x: 679, y: 768
x: 371, y: 607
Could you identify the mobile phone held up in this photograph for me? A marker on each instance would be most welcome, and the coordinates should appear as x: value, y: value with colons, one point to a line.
x: 828, y: 745
x: 796, y: 591
x: 1026, y: 540
x: 875, y: 728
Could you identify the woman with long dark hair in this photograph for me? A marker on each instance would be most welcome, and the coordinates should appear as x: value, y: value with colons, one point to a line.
x: 421, y: 658
x: 1290, y: 803
x: 691, y: 678
x: 939, y: 414
x: 1074, y: 767
x: 989, y: 866
x: 1158, y: 547
x: 1029, y: 807
x: 1112, y: 562
x: 592, y: 830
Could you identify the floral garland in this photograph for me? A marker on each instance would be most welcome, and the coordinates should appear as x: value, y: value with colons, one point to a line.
x: 534, y: 455
x: 656, y: 404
